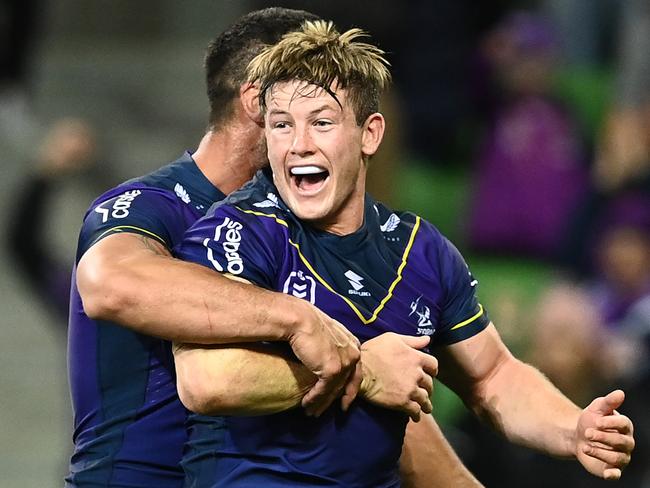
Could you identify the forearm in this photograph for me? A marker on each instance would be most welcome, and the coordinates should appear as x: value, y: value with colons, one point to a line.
x: 509, y: 394
x: 522, y: 404
x: 429, y: 461
x: 134, y: 281
x: 239, y: 380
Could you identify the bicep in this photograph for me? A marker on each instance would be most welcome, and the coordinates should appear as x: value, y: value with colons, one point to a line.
x: 111, y: 255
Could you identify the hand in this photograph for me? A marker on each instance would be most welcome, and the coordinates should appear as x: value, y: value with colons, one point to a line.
x: 396, y: 375
x: 604, y: 437
x: 331, y: 352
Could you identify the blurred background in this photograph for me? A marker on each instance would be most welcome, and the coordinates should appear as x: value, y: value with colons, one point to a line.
x: 520, y: 128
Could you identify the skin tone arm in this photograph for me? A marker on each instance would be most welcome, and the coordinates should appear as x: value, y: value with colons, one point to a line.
x: 252, y: 380
x: 134, y: 281
x: 259, y: 382
x: 522, y: 404
x: 424, y: 443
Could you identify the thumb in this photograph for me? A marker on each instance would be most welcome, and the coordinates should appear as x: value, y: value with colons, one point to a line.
x: 607, y: 404
x: 416, y: 342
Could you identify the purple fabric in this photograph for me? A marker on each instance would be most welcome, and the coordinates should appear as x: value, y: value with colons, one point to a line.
x: 529, y: 179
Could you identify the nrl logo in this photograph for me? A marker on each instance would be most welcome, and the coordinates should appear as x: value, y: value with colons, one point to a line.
x: 300, y: 285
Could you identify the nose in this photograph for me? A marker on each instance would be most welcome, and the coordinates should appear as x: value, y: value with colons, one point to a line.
x: 303, y: 143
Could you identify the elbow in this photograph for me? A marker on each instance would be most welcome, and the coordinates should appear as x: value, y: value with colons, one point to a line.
x: 204, y: 395
x: 104, y: 290
x: 193, y: 398
x: 485, y: 394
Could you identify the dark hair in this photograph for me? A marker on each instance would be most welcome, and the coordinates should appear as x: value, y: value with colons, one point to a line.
x: 229, y: 53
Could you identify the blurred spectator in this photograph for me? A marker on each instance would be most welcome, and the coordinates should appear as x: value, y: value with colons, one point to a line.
x: 530, y: 170
x: 69, y: 148
x: 567, y: 342
x: 624, y: 152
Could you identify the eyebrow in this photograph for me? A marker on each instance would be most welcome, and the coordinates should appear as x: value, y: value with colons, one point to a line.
x: 277, y: 111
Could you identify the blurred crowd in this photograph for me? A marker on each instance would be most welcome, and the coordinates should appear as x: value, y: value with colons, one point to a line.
x: 500, y: 92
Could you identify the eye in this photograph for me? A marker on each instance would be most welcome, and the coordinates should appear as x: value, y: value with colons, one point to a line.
x: 281, y: 124
x: 323, y: 123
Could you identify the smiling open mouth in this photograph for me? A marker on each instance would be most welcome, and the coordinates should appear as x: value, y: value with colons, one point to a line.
x: 309, y: 178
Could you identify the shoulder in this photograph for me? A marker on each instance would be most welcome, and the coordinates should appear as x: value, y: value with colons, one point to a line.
x: 405, y: 227
x: 257, y: 203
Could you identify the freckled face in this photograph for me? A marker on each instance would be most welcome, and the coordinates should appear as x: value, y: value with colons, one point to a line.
x: 316, y: 151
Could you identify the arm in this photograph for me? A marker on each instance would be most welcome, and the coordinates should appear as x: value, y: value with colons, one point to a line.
x: 424, y: 443
x: 522, y: 404
x: 257, y: 380
x: 239, y: 380
x: 133, y: 280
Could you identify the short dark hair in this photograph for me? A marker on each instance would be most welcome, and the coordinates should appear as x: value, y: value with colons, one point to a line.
x: 229, y: 53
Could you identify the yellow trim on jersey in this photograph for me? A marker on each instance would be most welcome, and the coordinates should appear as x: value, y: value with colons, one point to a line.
x: 381, y: 305
x: 120, y: 228
x: 471, y: 319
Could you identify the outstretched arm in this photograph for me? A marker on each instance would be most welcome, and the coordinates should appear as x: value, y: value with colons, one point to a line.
x: 428, y: 461
x: 521, y: 403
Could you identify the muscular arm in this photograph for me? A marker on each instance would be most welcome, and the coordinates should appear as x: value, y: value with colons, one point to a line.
x: 522, y: 404
x: 133, y: 280
x: 239, y: 379
x: 429, y: 461
x: 512, y: 396
x: 257, y: 380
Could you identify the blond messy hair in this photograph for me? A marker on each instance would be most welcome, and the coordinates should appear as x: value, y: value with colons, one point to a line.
x: 319, y: 55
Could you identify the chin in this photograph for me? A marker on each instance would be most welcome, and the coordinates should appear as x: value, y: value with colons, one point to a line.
x: 308, y: 213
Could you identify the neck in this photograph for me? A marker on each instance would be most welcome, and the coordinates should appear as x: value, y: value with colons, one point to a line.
x: 231, y: 155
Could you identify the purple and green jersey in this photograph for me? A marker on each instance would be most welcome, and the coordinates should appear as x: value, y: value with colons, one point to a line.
x: 397, y: 273
x: 129, y: 425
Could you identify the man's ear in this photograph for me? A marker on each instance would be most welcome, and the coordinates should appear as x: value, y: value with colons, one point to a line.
x: 373, y: 132
x: 249, y: 96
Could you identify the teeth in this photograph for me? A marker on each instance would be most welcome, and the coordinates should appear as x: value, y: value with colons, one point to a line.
x: 306, y: 170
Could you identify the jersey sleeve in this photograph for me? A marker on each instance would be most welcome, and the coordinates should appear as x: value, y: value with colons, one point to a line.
x: 150, y: 212
x: 462, y: 316
x: 230, y: 241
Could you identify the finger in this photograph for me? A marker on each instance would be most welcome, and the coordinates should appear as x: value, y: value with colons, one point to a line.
x: 352, y: 388
x: 416, y: 342
x: 614, y: 440
x: 426, y: 382
x: 430, y: 365
x: 321, y: 395
x: 607, y: 404
x: 421, y: 396
x: 317, y: 408
x: 619, y: 423
x: 413, y: 410
x: 613, y: 458
x: 612, y: 474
